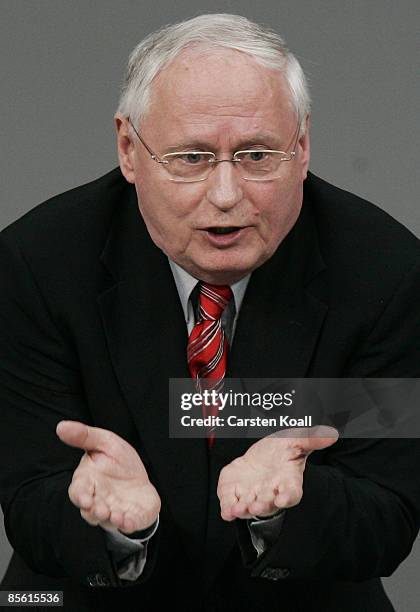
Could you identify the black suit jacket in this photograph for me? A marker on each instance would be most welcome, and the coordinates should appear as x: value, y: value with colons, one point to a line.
x: 91, y: 328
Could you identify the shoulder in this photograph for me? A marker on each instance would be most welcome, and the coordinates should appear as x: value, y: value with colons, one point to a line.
x: 358, y: 239
x: 72, y: 219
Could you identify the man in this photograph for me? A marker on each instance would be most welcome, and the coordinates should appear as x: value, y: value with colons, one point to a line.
x: 101, y: 305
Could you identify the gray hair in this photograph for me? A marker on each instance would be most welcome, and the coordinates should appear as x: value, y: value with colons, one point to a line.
x: 159, y: 48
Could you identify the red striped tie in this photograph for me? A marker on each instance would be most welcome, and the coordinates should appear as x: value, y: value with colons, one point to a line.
x: 207, y: 345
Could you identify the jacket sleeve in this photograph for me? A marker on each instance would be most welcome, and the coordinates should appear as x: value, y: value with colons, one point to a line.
x: 360, y: 510
x: 40, y: 385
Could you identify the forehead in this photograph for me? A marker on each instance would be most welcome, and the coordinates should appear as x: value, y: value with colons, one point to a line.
x: 220, y: 90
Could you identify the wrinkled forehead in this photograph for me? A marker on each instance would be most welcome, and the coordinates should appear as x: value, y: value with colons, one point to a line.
x: 217, y: 82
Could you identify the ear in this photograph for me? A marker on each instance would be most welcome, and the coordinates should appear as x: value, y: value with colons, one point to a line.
x: 126, y: 149
x: 305, y: 148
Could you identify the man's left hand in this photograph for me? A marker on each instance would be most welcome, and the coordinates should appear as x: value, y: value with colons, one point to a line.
x: 269, y: 476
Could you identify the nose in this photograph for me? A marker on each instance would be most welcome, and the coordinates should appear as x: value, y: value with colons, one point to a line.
x: 224, y: 186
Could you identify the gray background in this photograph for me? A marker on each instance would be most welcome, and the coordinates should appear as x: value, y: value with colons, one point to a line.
x: 62, y: 61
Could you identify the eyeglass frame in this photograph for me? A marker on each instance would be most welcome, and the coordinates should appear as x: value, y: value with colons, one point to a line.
x: 212, y: 163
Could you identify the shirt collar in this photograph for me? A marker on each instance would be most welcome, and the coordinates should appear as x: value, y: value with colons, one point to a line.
x: 185, y: 284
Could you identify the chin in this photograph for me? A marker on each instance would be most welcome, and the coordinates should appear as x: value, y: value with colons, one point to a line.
x: 219, y: 274
x: 225, y: 277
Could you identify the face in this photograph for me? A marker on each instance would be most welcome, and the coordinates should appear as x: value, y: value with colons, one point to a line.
x: 222, y: 103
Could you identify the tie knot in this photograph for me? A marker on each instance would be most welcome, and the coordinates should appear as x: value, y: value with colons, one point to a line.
x: 213, y: 299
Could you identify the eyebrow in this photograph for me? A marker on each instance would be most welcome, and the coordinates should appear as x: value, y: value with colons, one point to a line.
x: 258, y: 138
x: 191, y: 145
x: 248, y: 141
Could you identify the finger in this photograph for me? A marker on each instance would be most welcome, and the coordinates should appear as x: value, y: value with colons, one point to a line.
x: 116, y: 518
x: 228, y: 497
x: 226, y: 505
x: 241, y: 508
x: 264, y: 500
x: 136, y: 521
x: 260, y: 508
x: 227, y: 514
x: 289, y: 494
x: 89, y: 517
x: 283, y: 500
x: 129, y: 524
x: 110, y: 521
x: 81, y: 492
x: 87, y: 437
x: 98, y: 513
x: 246, y: 514
x: 101, y: 510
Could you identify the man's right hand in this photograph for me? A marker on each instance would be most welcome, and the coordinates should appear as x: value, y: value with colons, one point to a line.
x: 110, y: 485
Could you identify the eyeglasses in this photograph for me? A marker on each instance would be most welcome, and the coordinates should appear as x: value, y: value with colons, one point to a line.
x: 193, y: 166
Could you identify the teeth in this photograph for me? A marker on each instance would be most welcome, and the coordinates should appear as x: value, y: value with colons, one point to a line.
x: 223, y: 230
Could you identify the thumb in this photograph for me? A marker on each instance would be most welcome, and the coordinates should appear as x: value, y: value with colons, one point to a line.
x: 317, y: 438
x: 86, y: 437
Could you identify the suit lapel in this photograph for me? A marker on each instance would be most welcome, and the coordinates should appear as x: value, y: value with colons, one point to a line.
x: 146, y: 336
x: 280, y: 318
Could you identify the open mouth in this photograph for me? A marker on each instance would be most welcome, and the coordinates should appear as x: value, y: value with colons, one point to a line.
x: 223, y: 230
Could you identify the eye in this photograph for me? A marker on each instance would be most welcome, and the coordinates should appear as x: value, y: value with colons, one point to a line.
x: 253, y: 156
x: 256, y: 155
x: 192, y: 158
